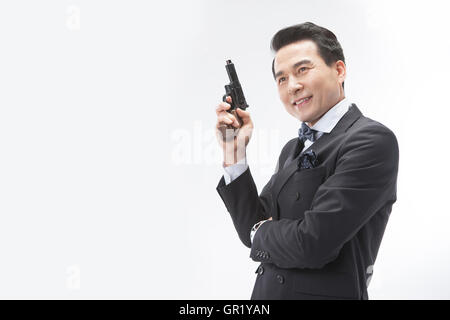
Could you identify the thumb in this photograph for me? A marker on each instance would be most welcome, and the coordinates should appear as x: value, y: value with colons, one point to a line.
x: 245, y: 115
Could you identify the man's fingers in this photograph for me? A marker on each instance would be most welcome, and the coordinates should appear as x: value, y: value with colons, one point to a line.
x: 231, y: 117
x: 243, y: 114
x: 228, y: 118
x: 224, y: 118
x: 222, y: 107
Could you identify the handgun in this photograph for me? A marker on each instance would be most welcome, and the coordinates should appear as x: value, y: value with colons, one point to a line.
x: 234, y: 90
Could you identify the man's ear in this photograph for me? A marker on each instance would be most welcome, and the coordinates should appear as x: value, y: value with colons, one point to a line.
x: 341, y: 70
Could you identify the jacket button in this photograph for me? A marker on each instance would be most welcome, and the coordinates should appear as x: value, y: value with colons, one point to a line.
x: 280, y: 279
x: 260, y: 270
x: 297, y: 196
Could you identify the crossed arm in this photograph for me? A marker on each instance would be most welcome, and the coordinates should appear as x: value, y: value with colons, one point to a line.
x: 364, y: 181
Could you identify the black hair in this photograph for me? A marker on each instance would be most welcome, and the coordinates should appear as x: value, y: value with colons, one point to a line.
x: 328, y: 46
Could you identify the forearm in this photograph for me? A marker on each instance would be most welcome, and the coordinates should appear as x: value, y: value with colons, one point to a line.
x: 244, y: 205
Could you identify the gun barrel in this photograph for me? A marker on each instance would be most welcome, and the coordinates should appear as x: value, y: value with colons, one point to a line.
x: 232, y: 75
x: 234, y: 89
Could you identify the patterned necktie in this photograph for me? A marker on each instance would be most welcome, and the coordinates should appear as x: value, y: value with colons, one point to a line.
x: 306, y: 133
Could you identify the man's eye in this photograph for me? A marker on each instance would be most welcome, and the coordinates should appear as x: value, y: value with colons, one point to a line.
x: 302, y: 69
x: 281, y: 79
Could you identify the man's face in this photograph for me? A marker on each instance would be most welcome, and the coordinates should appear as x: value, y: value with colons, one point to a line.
x: 300, y: 72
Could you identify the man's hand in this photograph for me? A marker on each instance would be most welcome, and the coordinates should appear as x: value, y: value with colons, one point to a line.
x: 235, y: 138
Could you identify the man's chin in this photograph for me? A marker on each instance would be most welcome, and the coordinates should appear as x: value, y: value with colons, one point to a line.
x: 302, y: 117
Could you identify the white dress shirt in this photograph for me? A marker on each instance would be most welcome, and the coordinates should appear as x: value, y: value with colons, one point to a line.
x: 324, y: 125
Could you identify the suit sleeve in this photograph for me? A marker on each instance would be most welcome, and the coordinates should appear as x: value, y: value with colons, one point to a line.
x: 363, y: 182
x: 243, y: 203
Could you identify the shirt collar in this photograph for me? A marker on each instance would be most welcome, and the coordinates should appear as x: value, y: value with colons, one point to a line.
x: 329, y: 120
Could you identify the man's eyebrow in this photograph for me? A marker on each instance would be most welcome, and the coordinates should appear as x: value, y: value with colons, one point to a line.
x: 295, y: 65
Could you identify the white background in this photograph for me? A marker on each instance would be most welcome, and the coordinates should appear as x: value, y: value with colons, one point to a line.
x: 109, y: 163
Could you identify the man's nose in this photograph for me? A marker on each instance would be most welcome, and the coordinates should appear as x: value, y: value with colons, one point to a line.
x: 294, y: 86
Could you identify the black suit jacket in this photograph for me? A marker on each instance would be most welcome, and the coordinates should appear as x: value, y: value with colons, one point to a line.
x: 328, y: 221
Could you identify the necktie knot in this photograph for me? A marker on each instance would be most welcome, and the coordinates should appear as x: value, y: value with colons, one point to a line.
x: 306, y: 133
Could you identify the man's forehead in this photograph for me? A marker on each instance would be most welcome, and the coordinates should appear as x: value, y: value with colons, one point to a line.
x: 294, y: 52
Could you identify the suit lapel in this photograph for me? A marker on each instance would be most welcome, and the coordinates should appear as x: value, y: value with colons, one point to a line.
x: 290, y: 166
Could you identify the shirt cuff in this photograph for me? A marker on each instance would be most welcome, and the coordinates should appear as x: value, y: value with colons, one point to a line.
x: 255, y: 228
x: 233, y: 172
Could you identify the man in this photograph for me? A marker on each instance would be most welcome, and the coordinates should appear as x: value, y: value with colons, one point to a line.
x: 317, y: 225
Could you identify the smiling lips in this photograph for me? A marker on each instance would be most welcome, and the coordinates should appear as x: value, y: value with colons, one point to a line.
x: 302, y: 101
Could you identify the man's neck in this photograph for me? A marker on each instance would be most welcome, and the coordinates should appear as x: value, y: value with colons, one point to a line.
x: 310, y: 124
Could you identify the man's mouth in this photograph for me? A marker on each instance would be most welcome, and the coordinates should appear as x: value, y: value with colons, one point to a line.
x: 302, y: 102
